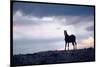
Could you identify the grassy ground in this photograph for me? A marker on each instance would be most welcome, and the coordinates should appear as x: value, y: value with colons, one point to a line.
x: 54, y: 57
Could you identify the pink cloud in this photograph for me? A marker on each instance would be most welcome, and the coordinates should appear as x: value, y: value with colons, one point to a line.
x: 86, y: 43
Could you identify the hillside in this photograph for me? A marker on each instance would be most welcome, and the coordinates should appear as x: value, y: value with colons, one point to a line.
x: 54, y: 57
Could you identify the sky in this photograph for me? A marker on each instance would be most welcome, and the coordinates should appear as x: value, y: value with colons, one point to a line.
x: 40, y: 27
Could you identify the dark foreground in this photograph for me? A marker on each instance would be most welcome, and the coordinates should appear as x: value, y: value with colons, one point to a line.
x: 54, y: 57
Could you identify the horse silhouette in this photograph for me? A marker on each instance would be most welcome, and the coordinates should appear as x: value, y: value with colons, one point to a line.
x: 70, y: 39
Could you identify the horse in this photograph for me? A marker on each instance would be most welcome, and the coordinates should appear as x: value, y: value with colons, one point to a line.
x: 70, y: 39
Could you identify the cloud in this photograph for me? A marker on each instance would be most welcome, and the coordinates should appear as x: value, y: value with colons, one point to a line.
x: 86, y: 43
x: 26, y: 41
x: 33, y: 33
x: 21, y: 19
x: 90, y: 28
x: 51, y: 26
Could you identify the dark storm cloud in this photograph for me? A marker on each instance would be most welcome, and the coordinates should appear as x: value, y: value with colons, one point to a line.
x: 52, y: 9
x: 20, y: 18
x: 71, y: 14
x: 78, y: 20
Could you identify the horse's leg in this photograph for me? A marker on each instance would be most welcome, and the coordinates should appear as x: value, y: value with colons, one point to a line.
x: 68, y: 46
x: 65, y: 46
x: 73, y: 45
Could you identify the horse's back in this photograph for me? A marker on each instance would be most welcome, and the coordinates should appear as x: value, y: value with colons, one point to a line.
x: 72, y: 38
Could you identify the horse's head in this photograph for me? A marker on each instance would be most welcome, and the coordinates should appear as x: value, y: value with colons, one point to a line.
x: 65, y: 32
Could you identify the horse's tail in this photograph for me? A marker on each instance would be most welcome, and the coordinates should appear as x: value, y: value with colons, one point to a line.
x: 75, y: 43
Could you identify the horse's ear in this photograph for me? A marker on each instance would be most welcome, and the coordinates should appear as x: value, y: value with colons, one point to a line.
x: 65, y: 32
